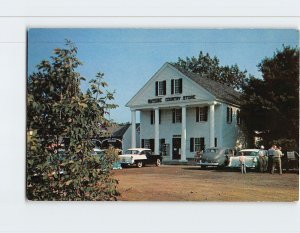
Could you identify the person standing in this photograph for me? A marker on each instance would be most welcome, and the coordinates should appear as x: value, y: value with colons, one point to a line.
x: 263, y: 159
x: 271, y: 153
x: 242, y: 160
x: 277, y: 160
x: 198, y: 156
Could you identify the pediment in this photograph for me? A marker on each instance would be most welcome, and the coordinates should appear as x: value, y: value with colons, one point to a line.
x: 191, y: 91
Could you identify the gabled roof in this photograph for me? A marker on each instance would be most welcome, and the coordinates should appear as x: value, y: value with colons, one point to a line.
x: 219, y: 90
x: 121, y: 130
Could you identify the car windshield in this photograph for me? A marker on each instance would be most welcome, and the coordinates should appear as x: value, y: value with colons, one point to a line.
x: 212, y: 150
x: 98, y: 152
x: 96, y: 143
x: 134, y: 152
x: 248, y: 153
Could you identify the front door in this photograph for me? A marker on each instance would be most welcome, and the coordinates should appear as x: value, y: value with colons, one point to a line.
x: 176, y: 148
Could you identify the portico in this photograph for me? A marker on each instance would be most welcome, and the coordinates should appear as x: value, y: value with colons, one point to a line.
x: 183, y: 129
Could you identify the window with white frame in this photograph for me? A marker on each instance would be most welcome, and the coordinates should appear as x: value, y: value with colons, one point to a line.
x: 152, y: 116
x: 229, y: 115
x: 176, y: 86
x: 148, y: 143
x: 160, y: 88
x: 201, y: 114
x: 176, y: 116
x: 197, y: 144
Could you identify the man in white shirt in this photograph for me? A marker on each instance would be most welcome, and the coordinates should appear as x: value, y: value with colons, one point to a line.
x: 271, y: 153
x: 263, y: 159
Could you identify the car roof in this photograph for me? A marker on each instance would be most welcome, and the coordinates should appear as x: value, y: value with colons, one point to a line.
x: 97, y: 149
x: 255, y: 150
x: 219, y: 148
x: 139, y: 149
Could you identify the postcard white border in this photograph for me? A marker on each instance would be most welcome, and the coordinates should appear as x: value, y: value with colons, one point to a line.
x: 19, y: 215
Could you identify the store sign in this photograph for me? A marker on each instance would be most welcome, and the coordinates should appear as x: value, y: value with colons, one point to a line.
x: 189, y: 97
x: 156, y: 100
x: 168, y: 99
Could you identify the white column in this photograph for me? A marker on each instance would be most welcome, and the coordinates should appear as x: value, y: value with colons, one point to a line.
x: 133, y: 129
x: 212, y: 125
x: 183, y: 133
x: 156, y: 132
x: 220, y: 139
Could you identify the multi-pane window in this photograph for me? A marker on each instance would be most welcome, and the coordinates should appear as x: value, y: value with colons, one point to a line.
x: 148, y: 143
x: 160, y: 88
x: 201, y: 114
x: 176, y: 86
x: 152, y: 117
x: 197, y: 144
x: 176, y: 116
x: 229, y: 115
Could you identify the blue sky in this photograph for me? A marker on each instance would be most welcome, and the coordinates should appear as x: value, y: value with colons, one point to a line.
x: 129, y: 57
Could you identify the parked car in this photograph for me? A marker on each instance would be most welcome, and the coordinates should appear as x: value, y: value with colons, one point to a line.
x: 252, y: 159
x: 217, y: 157
x: 290, y: 160
x: 140, y: 157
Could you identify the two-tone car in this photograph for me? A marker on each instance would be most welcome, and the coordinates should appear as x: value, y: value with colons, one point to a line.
x: 215, y: 157
x: 139, y: 157
x: 251, y: 159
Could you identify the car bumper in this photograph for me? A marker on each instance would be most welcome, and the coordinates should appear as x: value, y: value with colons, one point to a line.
x: 207, y: 164
x: 126, y: 163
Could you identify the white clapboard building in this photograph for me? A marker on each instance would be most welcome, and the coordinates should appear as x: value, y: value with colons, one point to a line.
x: 182, y: 112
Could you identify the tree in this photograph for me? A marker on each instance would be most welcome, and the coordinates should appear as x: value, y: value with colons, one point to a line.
x: 62, y: 121
x: 270, y: 106
x: 209, y: 67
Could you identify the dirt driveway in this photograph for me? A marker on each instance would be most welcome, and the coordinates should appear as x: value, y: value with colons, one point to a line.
x: 189, y: 183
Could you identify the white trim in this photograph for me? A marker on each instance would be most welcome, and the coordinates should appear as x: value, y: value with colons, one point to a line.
x: 221, y: 128
x: 212, y: 125
x: 188, y: 103
x: 211, y: 97
x: 156, y: 131
x: 183, y: 133
x: 147, y: 83
x: 133, y: 128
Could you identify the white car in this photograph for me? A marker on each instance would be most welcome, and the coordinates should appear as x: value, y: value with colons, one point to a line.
x: 251, y: 159
x: 140, y: 157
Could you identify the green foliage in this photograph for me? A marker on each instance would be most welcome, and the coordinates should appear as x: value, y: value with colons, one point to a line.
x: 286, y: 144
x: 59, y: 113
x: 271, y: 105
x: 209, y: 67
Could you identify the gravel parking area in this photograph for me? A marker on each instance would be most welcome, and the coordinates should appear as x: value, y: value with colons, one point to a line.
x: 190, y: 183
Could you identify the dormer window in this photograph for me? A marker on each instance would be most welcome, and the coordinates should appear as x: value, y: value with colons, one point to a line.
x: 176, y: 86
x: 160, y: 88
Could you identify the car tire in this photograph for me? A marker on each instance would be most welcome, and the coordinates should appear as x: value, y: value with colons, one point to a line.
x: 158, y: 162
x: 220, y: 167
x: 139, y: 164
